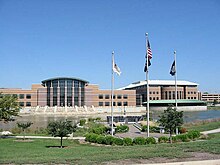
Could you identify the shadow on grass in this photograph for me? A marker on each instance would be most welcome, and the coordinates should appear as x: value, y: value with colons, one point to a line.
x: 56, y: 147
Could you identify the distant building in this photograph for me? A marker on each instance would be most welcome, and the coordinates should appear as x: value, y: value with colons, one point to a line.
x: 163, y: 90
x: 208, y: 97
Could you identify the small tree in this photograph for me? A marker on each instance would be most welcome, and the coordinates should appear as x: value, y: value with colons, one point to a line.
x: 24, y: 126
x: 61, y: 129
x: 215, y: 102
x: 171, y: 119
x: 8, y: 107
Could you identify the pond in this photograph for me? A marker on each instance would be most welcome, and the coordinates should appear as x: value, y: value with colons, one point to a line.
x: 43, y: 120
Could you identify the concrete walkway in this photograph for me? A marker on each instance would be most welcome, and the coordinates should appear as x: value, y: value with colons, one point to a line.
x: 211, y: 131
x: 202, y: 162
x: 45, y: 137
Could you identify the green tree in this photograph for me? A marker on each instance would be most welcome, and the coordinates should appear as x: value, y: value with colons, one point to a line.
x: 24, y: 126
x: 8, y: 107
x: 61, y: 129
x: 215, y: 102
x: 170, y: 120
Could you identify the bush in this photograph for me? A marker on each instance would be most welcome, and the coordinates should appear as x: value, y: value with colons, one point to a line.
x: 144, y: 128
x: 82, y: 122
x: 99, y: 130
x: 91, y: 137
x: 109, y: 140
x: 163, y: 139
x: 182, y: 137
x: 100, y: 139
x: 150, y: 140
x: 139, y: 141
x: 98, y: 119
x: 122, y: 128
x: 194, y: 134
x: 128, y: 141
x: 182, y: 130
x: 118, y: 141
x: 153, y: 129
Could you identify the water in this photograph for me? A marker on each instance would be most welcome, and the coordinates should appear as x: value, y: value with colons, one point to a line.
x: 43, y: 120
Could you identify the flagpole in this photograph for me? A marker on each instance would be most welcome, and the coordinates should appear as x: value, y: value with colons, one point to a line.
x: 147, y: 77
x: 112, y: 93
x: 175, y: 80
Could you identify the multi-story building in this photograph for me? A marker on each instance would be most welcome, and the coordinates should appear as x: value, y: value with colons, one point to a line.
x: 163, y: 90
x: 210, y: 98
x: 66, y: 91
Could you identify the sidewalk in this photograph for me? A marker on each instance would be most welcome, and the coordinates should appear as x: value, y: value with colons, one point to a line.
x: 45, y: 137
x: 202, y: 162
x: 211, y: 131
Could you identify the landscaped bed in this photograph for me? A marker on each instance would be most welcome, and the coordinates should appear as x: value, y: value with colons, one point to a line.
x: 75, y: 153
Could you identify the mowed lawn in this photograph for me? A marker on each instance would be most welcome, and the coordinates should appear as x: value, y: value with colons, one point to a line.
x: 37, y: 151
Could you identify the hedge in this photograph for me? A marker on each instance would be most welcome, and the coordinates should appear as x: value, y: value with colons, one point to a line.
x: 150, y: 140
x: 128, y: 141
x: 163, y: 139
x: 122, y: 129
x: 139, y: 141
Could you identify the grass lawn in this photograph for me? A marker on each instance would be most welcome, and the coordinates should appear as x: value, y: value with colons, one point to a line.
x: 37, y: 152
x: 202, y: 125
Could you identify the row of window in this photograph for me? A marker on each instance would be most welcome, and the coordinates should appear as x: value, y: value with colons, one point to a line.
x: 114, y: 103
x: 22, y: 96
x: 191, y: 92
x: 154, y: 92
x: 154, y: 98
x: 114, y: 96
x: 192, y: 98
x: 28, y: 104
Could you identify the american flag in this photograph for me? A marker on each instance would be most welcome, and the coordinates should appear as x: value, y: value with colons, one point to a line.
x: 149, y: 53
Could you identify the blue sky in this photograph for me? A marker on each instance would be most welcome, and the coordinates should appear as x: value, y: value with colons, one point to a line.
x: 41, y: 39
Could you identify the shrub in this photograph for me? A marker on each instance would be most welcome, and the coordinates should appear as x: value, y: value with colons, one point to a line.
x: 100, y: 139
x: 153, y: 129
x: 139, y: 141
x: 163, y: 139
x: 82, y: 122
x: 182, y: 137
x: 118, y: 141
x: 182, y: 130
x: 194, y: 134
x: 144, y: 128
x: 98, y: 119
x: 150, y: 140
x: 99, y: 130
x: 109, y: 140
x: 91, y: 137
x: 128, y: 141
x: 122, y: 128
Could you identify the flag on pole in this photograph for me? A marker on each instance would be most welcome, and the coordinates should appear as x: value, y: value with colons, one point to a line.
x: 116, y: 69
x: 173, y: 69
x: 148, y: 56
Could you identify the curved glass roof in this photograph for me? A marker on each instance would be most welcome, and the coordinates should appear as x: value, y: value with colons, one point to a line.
x: 66, y: 78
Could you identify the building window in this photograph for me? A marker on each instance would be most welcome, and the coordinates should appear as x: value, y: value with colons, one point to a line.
x: 114, y: 104
x: 188, y: 97
x: 150, y: 98
x: 157, y: 98
x: 157, y: 93
x: 21, y: 96
x: 188, y: 92
x: 107, y: 104
x: 195, y: 98
x: 100, y: 103
x: 100, y: 96
x: 21, y: 104
x: 119, y: 96
x: 119, y: 104
x: 28, y: 96
x: 153, y: 92
x: 28, y: 104
x: 125, y: 96
x: 107, y: 97
x: 150, y: 93
x: 125, y: 103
